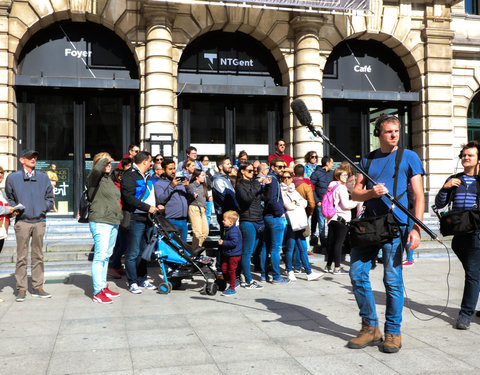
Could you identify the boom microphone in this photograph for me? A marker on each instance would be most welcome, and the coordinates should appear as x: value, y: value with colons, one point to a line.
x: 301, y: 112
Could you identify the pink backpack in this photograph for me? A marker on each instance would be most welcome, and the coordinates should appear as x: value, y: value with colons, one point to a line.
x: 328, y: 205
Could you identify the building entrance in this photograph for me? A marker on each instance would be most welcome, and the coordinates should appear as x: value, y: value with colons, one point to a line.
x: 77, y: 93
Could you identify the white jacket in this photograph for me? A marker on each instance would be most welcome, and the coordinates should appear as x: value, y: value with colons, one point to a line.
x: 343, y: 203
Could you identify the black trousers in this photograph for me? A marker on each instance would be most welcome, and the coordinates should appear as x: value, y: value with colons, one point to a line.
x: 337, y: 232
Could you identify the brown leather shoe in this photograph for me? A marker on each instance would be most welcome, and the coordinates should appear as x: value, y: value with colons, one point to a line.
x: 392, y: 343
x: 368, y: 336
x: 113, y: 272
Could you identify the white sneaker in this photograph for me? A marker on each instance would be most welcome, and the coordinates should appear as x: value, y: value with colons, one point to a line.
x: 314, y: 276
x: 135, y: 289
x: 147, y: 285
x: 291, y: 276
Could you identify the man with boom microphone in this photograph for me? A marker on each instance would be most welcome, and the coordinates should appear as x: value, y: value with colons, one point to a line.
x: 393, y: 174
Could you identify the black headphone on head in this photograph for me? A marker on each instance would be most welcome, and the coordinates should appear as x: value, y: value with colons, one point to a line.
x: 380, y: 121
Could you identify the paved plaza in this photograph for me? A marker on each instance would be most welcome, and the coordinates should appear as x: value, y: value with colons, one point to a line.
x: 300, y: 328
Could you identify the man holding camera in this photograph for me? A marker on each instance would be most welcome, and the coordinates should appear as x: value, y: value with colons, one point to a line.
x: 392, y: 174
x: 174, y: 192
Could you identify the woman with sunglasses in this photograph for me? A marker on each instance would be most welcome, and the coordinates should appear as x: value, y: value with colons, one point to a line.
x: 197, y: 209
x: 311, y: 159
x: 104, y: 218
x: 248, y: 192
x: 292, y: 201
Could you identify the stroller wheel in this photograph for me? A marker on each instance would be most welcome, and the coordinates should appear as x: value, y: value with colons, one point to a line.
x: 164, y: 288
x: 221, y: 284
x: 211, y: 289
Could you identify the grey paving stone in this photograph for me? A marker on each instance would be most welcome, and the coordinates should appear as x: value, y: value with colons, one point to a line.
x: 167, y: 356
x: 90, y: 361
x: 181, y: 370
x: 102, y: 324
x: 284, y: 366
x: 159, y: 337
x: 27, y: 345
x: 27, y: 329
x: 91, y: 341
x: 34, y: 365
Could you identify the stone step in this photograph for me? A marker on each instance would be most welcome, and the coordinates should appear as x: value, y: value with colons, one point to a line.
x: 80, y: 266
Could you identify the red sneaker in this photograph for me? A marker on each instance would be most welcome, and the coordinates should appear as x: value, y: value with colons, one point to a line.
x: 407, y: 263
x: 101, y: 298
x: 109, y: 293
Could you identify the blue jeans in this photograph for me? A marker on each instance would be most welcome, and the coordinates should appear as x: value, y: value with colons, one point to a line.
x: 467, y: 249
x: 296, y: 260
x: 274, y: 229
x: 361, y: 263
x: 182, y: 226
x: 251, y: 235
x: 321, y: 227
x: 135, y: 266
x: 209, y: 211
x: 104, y: 236
x: 295, y: 240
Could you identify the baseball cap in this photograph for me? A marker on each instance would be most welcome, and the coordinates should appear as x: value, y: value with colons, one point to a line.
x: 28, y: 153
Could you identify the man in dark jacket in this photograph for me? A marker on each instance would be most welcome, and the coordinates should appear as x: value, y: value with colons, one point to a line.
x: 321, y: 178
x: 138, y: 198
x: 222, y: 190
x: 174, y: 193
x: 273, y: 217
x: 33, y: 190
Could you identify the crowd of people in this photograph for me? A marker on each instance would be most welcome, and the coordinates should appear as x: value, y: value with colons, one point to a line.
x: 267, y: 214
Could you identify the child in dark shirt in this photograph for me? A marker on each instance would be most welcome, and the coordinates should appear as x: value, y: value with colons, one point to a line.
x: 231, y: 247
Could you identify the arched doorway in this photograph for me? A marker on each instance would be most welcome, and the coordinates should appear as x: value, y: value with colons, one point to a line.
x: 230, y: 96
x: 363, y: 80
x: 77, y: 91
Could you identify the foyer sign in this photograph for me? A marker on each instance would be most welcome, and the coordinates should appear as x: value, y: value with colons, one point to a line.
x: 359, y: 5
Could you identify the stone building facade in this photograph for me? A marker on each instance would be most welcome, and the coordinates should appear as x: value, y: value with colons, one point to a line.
x: 435, y: 43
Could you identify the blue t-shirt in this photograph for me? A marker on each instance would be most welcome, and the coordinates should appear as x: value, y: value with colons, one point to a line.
x: 382, y: 169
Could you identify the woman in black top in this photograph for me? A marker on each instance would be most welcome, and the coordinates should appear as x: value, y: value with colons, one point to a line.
x: 248, y: 192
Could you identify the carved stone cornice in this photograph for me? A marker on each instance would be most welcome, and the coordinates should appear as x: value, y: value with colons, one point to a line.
x: 307, y: 23
x: 156, y: 12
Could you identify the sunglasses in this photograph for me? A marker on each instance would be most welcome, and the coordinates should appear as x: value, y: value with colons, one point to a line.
x: 159, y: 159
x: 280, y: 166
x: 314, y: 157
x: 249, y: 170
x: 286, y: 177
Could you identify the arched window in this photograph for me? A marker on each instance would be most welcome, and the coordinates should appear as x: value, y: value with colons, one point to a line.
x: 473, y: 118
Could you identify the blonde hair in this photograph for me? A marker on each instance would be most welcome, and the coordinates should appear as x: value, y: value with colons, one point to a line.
x: 231, y: 215
x: 100, y: 156
x: 188, y: 163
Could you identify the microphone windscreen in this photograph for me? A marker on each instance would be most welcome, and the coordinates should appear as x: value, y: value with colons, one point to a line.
x: 301, y: 111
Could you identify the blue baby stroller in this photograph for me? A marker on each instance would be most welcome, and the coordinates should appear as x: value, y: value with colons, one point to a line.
x: 177, y: 259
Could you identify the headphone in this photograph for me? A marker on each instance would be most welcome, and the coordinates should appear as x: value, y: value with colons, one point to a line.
x: 380, y: 121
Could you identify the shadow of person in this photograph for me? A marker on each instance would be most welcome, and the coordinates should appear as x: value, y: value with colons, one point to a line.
x: 81, y: 281
x: 443, y: 312
x: 325, y: 325
x: 8, y: 281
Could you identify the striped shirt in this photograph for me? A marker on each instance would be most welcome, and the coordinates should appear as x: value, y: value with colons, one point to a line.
x: 464, y: 196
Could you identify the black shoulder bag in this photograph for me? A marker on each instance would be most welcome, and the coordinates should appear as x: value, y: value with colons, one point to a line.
x: 377, y: 230
x: 461, y: 222
x: 84, y: 205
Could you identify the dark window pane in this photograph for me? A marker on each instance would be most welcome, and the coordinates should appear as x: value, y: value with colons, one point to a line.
x: 207, y: 122
x: 251, y: 123
x: 345, y: 132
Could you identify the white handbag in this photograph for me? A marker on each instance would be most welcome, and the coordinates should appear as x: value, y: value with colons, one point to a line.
x: 297, y: 218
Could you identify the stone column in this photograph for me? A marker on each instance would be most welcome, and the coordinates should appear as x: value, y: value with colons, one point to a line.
x: 8, y: 130
x: 307, y: 83
x: 159, y: 100
x: 435, y: 141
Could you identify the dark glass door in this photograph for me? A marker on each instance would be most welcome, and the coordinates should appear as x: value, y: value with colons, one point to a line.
x: 349, y: 125
x: 226, y: 125
x: 68, y: 128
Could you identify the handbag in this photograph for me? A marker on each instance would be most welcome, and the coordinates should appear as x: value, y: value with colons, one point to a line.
x: 375, y: 230
x: 297, y: 218
x: 125, y: 223
x: 84, y: 205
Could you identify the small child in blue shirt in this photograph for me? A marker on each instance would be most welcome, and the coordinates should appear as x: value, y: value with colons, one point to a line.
x: 231, y: 247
